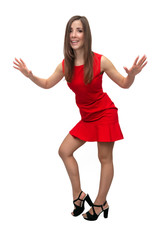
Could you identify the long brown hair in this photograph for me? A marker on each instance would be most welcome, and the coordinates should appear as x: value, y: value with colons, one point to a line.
x: 69, y: 53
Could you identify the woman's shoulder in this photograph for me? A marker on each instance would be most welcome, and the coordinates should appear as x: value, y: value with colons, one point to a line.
x: 97, y: 55
x: 97, y: 63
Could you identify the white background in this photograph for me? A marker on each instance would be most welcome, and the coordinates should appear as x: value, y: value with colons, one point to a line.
x: 35, y: 192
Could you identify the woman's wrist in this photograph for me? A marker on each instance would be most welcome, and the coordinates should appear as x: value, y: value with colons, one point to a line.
x: 30, y: 74
x: 131, y: 76
x: 129, y: 80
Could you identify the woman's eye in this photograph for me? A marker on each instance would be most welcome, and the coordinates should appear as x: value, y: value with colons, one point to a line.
x: 79, y: 30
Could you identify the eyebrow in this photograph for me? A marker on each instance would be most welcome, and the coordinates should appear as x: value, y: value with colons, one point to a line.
x: 78, y: 28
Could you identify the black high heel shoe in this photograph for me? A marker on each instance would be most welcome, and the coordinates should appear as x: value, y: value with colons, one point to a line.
x: 94, y: 217
x: 79, y: 209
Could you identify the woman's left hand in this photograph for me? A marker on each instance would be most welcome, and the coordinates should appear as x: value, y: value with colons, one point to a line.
x: 137, y: 66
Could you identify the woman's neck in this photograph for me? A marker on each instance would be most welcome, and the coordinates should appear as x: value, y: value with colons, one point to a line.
x: 79, y: 57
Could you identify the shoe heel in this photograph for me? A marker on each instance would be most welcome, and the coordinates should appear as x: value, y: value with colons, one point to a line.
x: 88, y: 200
x: 105, y: 213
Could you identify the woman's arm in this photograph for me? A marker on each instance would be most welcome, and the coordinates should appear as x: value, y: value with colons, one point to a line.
x: 124, y: 82
x: 41, y: 82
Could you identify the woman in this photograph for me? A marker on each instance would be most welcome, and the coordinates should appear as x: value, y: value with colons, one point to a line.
x: 83, y: 69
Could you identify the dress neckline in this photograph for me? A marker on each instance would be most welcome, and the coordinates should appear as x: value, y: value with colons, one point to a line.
x: 79, y: 65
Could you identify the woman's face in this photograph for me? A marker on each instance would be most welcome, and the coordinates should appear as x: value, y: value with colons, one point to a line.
x: 77, y: 35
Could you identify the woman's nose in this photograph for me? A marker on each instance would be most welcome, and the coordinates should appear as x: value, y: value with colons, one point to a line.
x: 73, y: 34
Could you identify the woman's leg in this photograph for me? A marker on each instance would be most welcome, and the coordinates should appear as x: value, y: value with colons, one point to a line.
x: 66, y: 150
x: 105, y: 155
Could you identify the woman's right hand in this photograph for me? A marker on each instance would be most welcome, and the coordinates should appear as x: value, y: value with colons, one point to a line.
x: 21, y: 66
x: 41, y: 82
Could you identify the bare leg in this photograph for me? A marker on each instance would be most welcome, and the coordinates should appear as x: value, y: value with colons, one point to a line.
x: 66, y: 150
x: 105, y: 155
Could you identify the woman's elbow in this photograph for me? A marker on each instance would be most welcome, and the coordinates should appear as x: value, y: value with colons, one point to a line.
x: 125, y: 86
x: 47, y: 85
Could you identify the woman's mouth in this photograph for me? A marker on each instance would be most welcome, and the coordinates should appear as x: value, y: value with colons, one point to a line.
x: 74, y: 42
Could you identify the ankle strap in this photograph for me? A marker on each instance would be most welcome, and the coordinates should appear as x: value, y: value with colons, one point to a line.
x: 94, y: 205
x: 78, y: 197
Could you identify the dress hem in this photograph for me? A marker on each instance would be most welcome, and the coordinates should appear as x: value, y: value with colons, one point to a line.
x: 95, y: 140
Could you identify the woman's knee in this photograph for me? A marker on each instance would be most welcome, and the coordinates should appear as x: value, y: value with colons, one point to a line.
x: 105, y: 158
x: 105, y: 152
x: 69, y: 146
x: 64, y: 152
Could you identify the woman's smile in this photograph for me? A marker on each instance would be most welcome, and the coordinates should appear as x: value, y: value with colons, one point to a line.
x: 74, y: 42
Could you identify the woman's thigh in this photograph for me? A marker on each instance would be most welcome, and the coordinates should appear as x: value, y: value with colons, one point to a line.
x: 69, y: 145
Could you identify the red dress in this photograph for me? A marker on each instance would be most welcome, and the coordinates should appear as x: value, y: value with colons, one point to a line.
x: 99, y: 117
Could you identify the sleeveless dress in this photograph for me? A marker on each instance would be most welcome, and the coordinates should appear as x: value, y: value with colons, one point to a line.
x: 99, y: 116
